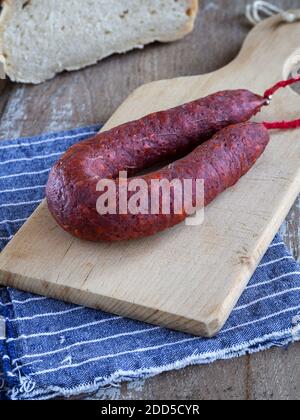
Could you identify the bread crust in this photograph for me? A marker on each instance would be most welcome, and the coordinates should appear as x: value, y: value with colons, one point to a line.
x: 192, y: 11
x: 9, y: 7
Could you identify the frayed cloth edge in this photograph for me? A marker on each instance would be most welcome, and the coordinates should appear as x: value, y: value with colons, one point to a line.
x: 128, y: 376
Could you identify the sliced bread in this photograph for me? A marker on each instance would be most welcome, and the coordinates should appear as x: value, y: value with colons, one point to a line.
x: 40, y: 38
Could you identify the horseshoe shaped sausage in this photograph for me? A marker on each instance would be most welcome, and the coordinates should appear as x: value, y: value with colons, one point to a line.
x: 212, y: 132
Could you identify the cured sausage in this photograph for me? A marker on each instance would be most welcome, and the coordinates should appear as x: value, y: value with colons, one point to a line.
x: 72, y: 189
x: 220, y: 162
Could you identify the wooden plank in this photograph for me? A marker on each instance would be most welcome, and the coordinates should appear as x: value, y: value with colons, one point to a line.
x: 216, y: 40
x: 237, y: 231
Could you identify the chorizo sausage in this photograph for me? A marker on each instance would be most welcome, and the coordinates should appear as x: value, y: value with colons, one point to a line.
x: 220, y: 162
x: 71, y: 189
x: 72, y: 186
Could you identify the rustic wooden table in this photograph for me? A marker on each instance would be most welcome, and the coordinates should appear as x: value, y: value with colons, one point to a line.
x: 90, y: 96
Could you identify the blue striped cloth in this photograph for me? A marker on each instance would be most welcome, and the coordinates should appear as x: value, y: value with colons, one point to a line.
x: 50, y: 348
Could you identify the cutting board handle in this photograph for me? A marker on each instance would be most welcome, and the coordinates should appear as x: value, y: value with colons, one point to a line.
x: 272, y: 42
x: 270, y: 53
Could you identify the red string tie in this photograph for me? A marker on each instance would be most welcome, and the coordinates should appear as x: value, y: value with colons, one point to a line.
x: 281, y: 125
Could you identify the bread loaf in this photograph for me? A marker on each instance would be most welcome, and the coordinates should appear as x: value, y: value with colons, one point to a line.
x: 40, y: 38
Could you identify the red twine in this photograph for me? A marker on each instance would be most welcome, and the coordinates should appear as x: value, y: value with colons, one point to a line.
x: 281, y: 125
x: 280, y: 85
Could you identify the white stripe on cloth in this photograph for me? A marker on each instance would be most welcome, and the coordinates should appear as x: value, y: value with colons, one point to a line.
x: 275, y: 261
x: 22, y: 302
x: 74, y: 136
x: 6, y: 162
x: 83, y: 343
x: 54, y: 333
x: 262, y: 319
x: 5, y: 222
x: 25, y: 174
x: 29, y: 318
x: 6, y: 238
x: 35, y: 187
x: 284, y: 292
x: 277, y: 244
x: 292, y: 273
x: 145, y: 349
x: 25, y: 203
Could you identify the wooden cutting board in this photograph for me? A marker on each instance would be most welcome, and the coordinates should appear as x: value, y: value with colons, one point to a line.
x: 188, y: 278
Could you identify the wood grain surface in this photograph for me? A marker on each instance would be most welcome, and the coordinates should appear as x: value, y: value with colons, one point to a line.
x: 90, y: 96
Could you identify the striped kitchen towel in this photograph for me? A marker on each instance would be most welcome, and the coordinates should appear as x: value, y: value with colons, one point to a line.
x: 50, y: 349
